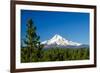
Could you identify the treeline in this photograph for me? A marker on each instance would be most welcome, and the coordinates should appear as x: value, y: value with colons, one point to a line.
x: 55, y: 54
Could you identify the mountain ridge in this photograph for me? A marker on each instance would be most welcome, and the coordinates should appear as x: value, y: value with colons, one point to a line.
x: 59, y: 41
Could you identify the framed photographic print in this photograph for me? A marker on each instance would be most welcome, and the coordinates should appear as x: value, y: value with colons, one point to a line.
x: 51, y: 36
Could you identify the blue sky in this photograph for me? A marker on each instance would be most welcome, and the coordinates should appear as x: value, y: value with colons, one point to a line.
x: 73, y: 26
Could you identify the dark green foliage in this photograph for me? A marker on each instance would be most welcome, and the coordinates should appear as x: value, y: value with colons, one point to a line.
x: 63, y: 54
x: 32, y: 49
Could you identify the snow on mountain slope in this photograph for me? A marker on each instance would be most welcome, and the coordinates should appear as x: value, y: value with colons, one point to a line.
x: 60, y: 41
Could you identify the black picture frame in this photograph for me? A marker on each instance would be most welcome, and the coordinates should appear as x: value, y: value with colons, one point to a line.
x: 13, y: 35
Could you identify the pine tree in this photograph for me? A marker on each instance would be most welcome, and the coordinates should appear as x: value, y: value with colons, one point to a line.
x: 32, y: 42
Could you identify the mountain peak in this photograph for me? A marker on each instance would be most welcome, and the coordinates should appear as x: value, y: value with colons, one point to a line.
x: 57, y: 37
x: 58, y: 40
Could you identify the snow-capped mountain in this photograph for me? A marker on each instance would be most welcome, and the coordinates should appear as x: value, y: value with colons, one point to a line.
x: 58, y: 41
